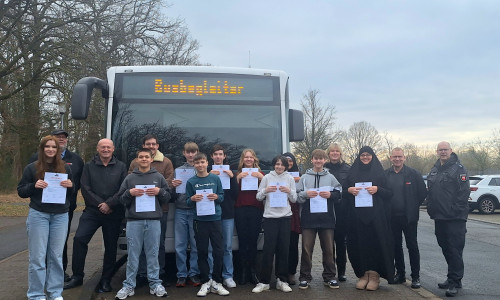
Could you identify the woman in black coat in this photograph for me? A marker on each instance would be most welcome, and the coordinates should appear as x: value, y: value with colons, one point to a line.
x: 369, y: 235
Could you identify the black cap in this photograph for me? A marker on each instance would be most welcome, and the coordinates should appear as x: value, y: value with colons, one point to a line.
x: 59, y: 131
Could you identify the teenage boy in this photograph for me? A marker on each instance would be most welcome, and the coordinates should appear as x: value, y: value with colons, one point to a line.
x: 143, y: 193
x: 318, y: 217
x: 218, y: 156
x: 183, y: 225
x: 204, y: 194
x: 164, y: 166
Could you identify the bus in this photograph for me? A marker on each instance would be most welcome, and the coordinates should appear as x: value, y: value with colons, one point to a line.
x: 237, y: 108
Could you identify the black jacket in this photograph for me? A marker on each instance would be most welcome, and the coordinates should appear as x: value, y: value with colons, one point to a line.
x: 229, y: 198
x: 101, y: 183
x: 75, y: 162
x: 340, y: 171
x: 414, y: 191
x: 448, y: 190
x: 26, y: 189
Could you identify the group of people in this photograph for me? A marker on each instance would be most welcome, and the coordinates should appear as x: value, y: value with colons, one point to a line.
x: 360, y: 210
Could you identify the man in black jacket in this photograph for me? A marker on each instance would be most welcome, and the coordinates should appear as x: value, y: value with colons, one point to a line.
x: 75, y: 163
x: 100, y: 183
x: 448, y: 206
x: 409, y: 192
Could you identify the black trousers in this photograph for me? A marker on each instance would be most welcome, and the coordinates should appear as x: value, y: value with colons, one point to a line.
x: 248, y: 221
x: 401, y: 226
x: 339, y: 235
x: 450, y: 236
x: 89, y: 223
x: 293, y: 253
x: 65, y: 251
x: 205, y: 233
x: 276, y: 243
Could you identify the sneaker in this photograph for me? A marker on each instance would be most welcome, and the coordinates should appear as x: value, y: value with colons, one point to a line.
x: 260, y: 287
x: 205, y: 289
x: 445, y: 284
x: 194, y: 280
x: 399, y: 278
x: 303, y: 285
x: 342, y: 278
x: 124, y: 293
x: 218, y: 289
x: 283, y: 286
x: 229, y: 282
x: 181, y: 282
x: 333, y: 284
x: 415, y: 283
x: 158, y: 291
x: 58, y: 298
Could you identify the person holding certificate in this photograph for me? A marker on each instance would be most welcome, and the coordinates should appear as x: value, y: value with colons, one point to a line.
x: 369, y: 235
x: 277, y: 190
x: 293, y: 249
x: 143, y: 192
x: 204, y: 194
x: 248, y: 215
x: 318, y: 190
x: 47, y: 182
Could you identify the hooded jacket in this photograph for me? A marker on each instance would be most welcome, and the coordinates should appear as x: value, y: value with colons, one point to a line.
x: 448, y: 190
x: 273, y: 177
x: 313, y: 179
x: 139, y: 178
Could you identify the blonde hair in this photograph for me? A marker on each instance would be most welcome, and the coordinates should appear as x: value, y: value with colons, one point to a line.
x: 242, y: 157
x: 334, y: 146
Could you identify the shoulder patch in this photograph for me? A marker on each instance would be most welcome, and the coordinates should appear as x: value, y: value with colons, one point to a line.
x: 463, y: 177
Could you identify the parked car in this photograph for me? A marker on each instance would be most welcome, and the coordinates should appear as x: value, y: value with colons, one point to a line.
x: 484, y: 193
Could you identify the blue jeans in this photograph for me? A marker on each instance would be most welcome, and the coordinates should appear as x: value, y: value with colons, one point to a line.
x: 227, y: 240
x: 143, y: 233
x: 46, y: 238
x: 184, y: 235
x: 161, y: 250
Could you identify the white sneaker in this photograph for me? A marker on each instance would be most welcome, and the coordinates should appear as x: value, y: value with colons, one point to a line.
x: 58, y: 298
x: 124, y: 293
x: 217, y: 288
x: 260, y: 287
x: 205, y: 289
x: 229, y: 282
x: 283, y: 286
x: 159, y: 291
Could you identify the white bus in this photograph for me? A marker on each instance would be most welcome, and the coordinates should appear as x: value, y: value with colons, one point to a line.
x: 235, y: 107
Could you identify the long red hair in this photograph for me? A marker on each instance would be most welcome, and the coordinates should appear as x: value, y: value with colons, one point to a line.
x: 42, y: 165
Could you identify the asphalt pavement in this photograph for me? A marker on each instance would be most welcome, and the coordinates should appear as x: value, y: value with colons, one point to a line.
x: 13, y: 270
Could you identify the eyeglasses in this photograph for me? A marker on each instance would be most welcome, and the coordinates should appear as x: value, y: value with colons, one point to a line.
x: 150, y: 144
x: 365, y: 155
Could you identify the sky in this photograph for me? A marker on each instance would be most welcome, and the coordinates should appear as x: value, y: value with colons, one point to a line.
x: 422, y: 70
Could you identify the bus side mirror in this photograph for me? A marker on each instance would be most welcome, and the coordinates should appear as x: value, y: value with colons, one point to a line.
x: 82, y: 93
x: 295, y: 125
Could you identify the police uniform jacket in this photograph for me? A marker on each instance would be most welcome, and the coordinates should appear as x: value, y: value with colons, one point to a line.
x: 448, y: 190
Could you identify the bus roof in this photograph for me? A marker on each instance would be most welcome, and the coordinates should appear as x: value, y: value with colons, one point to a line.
x: 197, y: 69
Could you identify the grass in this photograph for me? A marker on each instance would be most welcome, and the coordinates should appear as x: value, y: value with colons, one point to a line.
x: 11, y: 205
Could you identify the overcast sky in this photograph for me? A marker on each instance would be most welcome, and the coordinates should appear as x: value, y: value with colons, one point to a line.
x: 422, y: 70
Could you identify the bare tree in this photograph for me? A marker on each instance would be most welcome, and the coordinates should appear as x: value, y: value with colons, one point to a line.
x: 358, y: 135
x: 319, y: 122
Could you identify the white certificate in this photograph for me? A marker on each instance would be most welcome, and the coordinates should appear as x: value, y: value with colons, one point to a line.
x: 363, y: 199
x: 249, y: 182
x: 294, y: 174
x: 319, y: 204
x: 54, y: 193
x: 145, y: 203
x: 224, y: 178
x: 183, y: 175
x: 206, y: 206
x: 278, y: 198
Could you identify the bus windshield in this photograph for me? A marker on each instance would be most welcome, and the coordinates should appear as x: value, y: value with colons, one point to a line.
x: 250, y: 119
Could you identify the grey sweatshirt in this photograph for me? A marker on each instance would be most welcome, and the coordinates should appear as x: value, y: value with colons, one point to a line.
x: 272, y: 178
